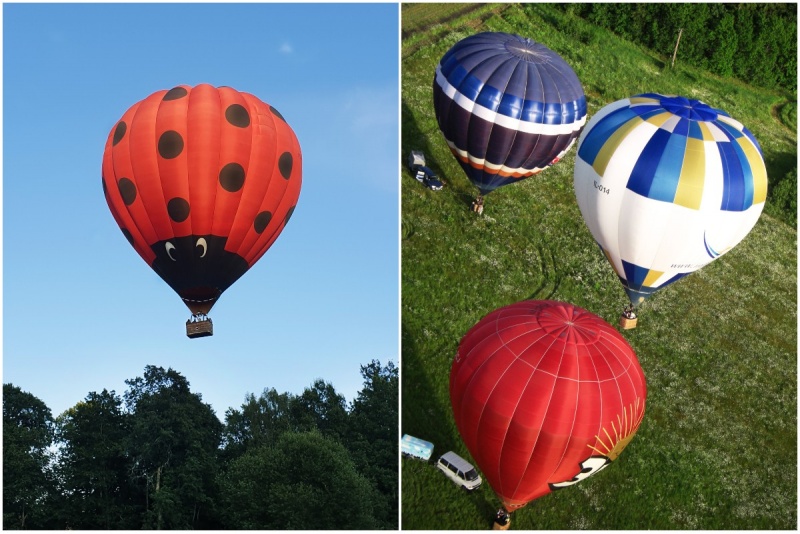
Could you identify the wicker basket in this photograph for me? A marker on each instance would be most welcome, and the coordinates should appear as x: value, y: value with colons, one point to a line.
x: 201, y: 328
x: 626, y: 323
x: 498, y: 526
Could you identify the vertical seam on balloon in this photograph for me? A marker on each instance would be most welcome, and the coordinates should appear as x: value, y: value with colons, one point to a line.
x: 547, y: 409
x: 544, y: 416
x: 217, y: 186
x: 272, y: 236
x: 252, y: 112
x: 497, y: 177
x: 159, y: 164
x: 483, y: 188
x: 187, y: 176
x: 542, y: 72
x: 501, y: 315
x: 134, y: 222
x: 260, y: 251
x: 158, y: 160
x: 154, y: 146
x: 616, y: 381
x: 502, y: 162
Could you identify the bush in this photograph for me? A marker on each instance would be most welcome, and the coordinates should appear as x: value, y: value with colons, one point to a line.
x: 784, y: 197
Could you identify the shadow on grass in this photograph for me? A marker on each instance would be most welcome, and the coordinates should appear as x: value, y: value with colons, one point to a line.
x: 550, y: 280
x: 778, y: 165
x: 413, y: 139
x: 424, y: 417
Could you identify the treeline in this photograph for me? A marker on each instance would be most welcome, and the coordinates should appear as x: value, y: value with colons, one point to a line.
x: 157, y: 457
x: 756, y: 43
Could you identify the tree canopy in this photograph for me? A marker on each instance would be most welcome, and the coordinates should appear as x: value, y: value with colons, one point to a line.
x: 157, y: 457
x: 756, y: 43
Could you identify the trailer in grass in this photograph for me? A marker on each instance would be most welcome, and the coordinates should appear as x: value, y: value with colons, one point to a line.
x: 412, y: 447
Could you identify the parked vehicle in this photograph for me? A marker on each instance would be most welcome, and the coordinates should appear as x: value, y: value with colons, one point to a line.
x: 460, y: 471
x: 412, y: 447
x: 423, y: 174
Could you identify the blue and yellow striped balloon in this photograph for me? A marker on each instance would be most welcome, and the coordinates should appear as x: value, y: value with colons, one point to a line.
x: 666, y: 185
x: 507, y: 106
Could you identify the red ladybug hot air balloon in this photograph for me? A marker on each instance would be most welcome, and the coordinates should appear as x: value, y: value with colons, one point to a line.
x: 544, y: 395
x: 201, y: 181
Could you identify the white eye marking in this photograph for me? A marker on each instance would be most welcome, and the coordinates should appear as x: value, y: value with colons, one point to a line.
x: 170, y: 248
x: 202, y: 243
x: 589, y: 466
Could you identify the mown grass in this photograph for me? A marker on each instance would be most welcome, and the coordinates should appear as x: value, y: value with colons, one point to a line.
x: 718, y: 446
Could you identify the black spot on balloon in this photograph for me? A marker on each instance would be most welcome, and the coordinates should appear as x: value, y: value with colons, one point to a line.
x: 170, y: 144
x: 277, y: 113
x: 119, y: 132
x: 178, y: 209
x: 105, y: 189
x: 128, y: 191
x: 127, y: 235
x: 175, y: 93
x: 285, y: 163
x: 288, y: 215
x: 237, y: 116
x: 231, y: 177
x: 261, y: 221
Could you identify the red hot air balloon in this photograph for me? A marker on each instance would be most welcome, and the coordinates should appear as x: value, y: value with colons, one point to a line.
x: 544, y: 395
x: 201, y: 181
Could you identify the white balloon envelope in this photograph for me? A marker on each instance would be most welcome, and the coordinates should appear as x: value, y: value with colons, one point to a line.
x: 666, y: 185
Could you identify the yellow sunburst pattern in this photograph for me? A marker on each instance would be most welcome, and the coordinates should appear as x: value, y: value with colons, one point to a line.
x: 623, y: 429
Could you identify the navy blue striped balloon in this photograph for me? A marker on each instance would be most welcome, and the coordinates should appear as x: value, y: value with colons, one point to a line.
x: 508, y: 107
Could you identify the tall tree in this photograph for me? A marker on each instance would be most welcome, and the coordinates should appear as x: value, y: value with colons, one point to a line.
x: 373, y: 437
x: 321, y: 407
x: 259, y: 421
x: 304, y: 481
x: 27, y: 434
x: 94, y: 465
x: 173, y: 445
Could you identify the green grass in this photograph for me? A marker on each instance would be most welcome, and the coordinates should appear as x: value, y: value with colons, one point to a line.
x: 718, y: 445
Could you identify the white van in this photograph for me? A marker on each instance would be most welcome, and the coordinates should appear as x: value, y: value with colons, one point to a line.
x: 459, y: 471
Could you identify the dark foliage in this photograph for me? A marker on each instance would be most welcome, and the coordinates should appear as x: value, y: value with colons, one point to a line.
x: 159, y: 458
x: 756, y: 43
x: 27, y: 482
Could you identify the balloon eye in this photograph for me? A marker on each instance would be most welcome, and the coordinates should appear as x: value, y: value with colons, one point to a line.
x: 201, y: 243
x: 170, y: 247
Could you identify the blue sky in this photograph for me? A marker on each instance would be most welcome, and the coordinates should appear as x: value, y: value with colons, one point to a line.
x: 82, y: 312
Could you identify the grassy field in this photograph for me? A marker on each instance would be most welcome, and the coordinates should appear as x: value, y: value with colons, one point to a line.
x: 718, y: 445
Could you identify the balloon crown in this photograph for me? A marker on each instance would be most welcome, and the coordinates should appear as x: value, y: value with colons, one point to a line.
x: 527, y: 49
x: 689, y: 109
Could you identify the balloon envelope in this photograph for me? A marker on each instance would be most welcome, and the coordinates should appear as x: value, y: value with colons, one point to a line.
x: 666, y: 185
x: 507, y: 106
x: 201, y: 181
x: 544, y: 394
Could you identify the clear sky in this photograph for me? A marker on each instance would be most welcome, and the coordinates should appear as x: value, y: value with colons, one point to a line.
x: 83, y: 312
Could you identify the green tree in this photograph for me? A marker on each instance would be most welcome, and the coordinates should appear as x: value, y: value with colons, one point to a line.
x: 93, y: 464
x: 373, y: 436
x: 258, y: 422
x: 321, y: 407
x: 27, y: 434
x: 725, y: 43
x: 173, y: 445
x: 304, y: 481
